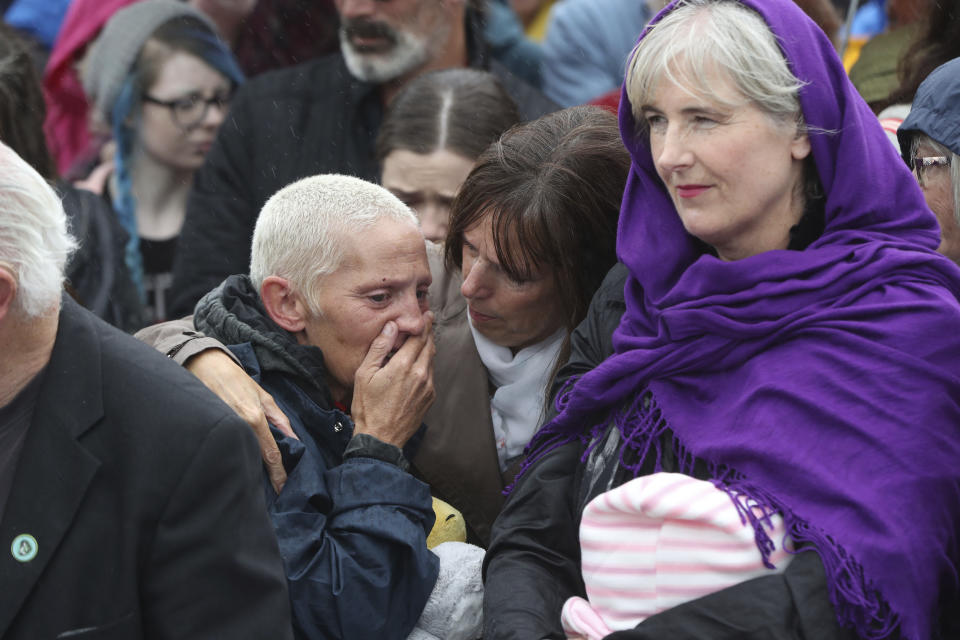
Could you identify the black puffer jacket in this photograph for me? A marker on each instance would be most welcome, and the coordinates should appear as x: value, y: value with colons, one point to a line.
x: 533, y: 562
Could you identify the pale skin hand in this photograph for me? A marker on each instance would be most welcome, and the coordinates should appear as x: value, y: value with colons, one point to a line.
x: 390, y: 399
x: 254, y: 405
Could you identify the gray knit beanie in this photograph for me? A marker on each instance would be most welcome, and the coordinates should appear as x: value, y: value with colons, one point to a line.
x: 116, y: 48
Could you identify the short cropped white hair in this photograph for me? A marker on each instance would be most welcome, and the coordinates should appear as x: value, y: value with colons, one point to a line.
x: 34, y: 240
x: 299, y: 234
x: 698, y: 36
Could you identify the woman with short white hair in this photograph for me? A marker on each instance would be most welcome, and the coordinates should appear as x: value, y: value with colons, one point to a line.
x: 790, y: 337
x: 930, y: 140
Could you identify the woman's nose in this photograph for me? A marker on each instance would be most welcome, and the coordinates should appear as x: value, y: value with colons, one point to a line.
x: 671, y: 151
x: 434, y: 220
x: 474, y: 281
x: 215, y: 115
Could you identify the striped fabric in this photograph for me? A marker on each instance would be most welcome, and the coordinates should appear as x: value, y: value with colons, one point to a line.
x: 890, y: 119
x: 656, y: 542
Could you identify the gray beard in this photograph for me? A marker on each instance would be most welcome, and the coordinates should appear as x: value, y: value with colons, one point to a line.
x: 407, y: 55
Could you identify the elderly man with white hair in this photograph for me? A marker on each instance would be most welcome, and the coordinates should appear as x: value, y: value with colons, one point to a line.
x: 123, y: 481
x: 333, y: 322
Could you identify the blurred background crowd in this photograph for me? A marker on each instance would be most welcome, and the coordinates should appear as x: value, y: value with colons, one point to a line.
x: 587, y: 321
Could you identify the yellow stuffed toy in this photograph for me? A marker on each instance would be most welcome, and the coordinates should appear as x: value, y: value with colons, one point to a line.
x: 449, y: 526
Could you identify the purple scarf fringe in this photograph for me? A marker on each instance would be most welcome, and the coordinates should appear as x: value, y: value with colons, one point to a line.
x: 858, y: 603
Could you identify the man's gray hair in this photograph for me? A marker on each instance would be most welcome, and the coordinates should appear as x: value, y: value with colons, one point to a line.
x: 301, y: 230
x: 34, y: 241
x: 920, y: 139
x: 699, y: 37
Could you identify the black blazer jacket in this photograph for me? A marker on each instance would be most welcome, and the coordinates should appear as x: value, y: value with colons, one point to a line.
x: 137, y: 508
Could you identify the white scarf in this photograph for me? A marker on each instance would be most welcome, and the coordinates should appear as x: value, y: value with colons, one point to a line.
x: 521, y: 381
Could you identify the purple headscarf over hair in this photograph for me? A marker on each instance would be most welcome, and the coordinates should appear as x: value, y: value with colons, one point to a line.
x: 825, y: 383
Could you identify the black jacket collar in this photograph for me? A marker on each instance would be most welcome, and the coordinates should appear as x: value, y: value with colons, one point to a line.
x: 233, y: 314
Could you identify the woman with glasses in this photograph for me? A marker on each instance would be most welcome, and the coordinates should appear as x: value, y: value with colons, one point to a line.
x: 930, y: 140
x: 161, y: 80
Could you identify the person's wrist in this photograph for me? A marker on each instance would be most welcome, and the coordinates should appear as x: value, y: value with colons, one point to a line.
x: 195, y: 353
x: 364, y: 445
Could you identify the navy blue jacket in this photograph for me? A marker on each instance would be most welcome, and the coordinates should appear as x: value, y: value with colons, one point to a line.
x: 352, y: 532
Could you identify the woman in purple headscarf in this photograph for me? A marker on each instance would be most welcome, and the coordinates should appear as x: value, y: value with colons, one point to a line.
x: 790, y: 334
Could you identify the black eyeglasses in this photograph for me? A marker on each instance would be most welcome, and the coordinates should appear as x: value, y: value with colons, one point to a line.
x: 923, y: 164
x: 188, y: 112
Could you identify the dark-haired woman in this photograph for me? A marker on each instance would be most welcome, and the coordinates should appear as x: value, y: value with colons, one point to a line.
x: 433, y: 133
x: 531, y: 237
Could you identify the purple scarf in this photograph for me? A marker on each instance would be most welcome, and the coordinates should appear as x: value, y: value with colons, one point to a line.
x: 824, y: 384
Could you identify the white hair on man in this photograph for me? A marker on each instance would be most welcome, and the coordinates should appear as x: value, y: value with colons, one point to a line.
x: 34, y: 241
x: 301, y: 229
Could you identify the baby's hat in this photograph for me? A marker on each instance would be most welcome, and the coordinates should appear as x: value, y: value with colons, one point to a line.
x: 661, y: 540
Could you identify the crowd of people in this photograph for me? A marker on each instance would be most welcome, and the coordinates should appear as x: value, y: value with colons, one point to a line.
x: 452, y: 320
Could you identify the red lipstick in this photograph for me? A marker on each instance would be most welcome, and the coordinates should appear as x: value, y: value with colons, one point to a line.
x: 691, y: 190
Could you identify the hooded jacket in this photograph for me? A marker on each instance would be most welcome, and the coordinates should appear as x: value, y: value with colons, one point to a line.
x: 352, y: 532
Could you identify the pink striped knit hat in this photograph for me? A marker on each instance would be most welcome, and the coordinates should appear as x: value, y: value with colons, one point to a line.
x: 659, y: 541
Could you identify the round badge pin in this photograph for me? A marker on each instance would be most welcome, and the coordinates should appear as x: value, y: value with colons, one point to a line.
x: 24, y: 548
